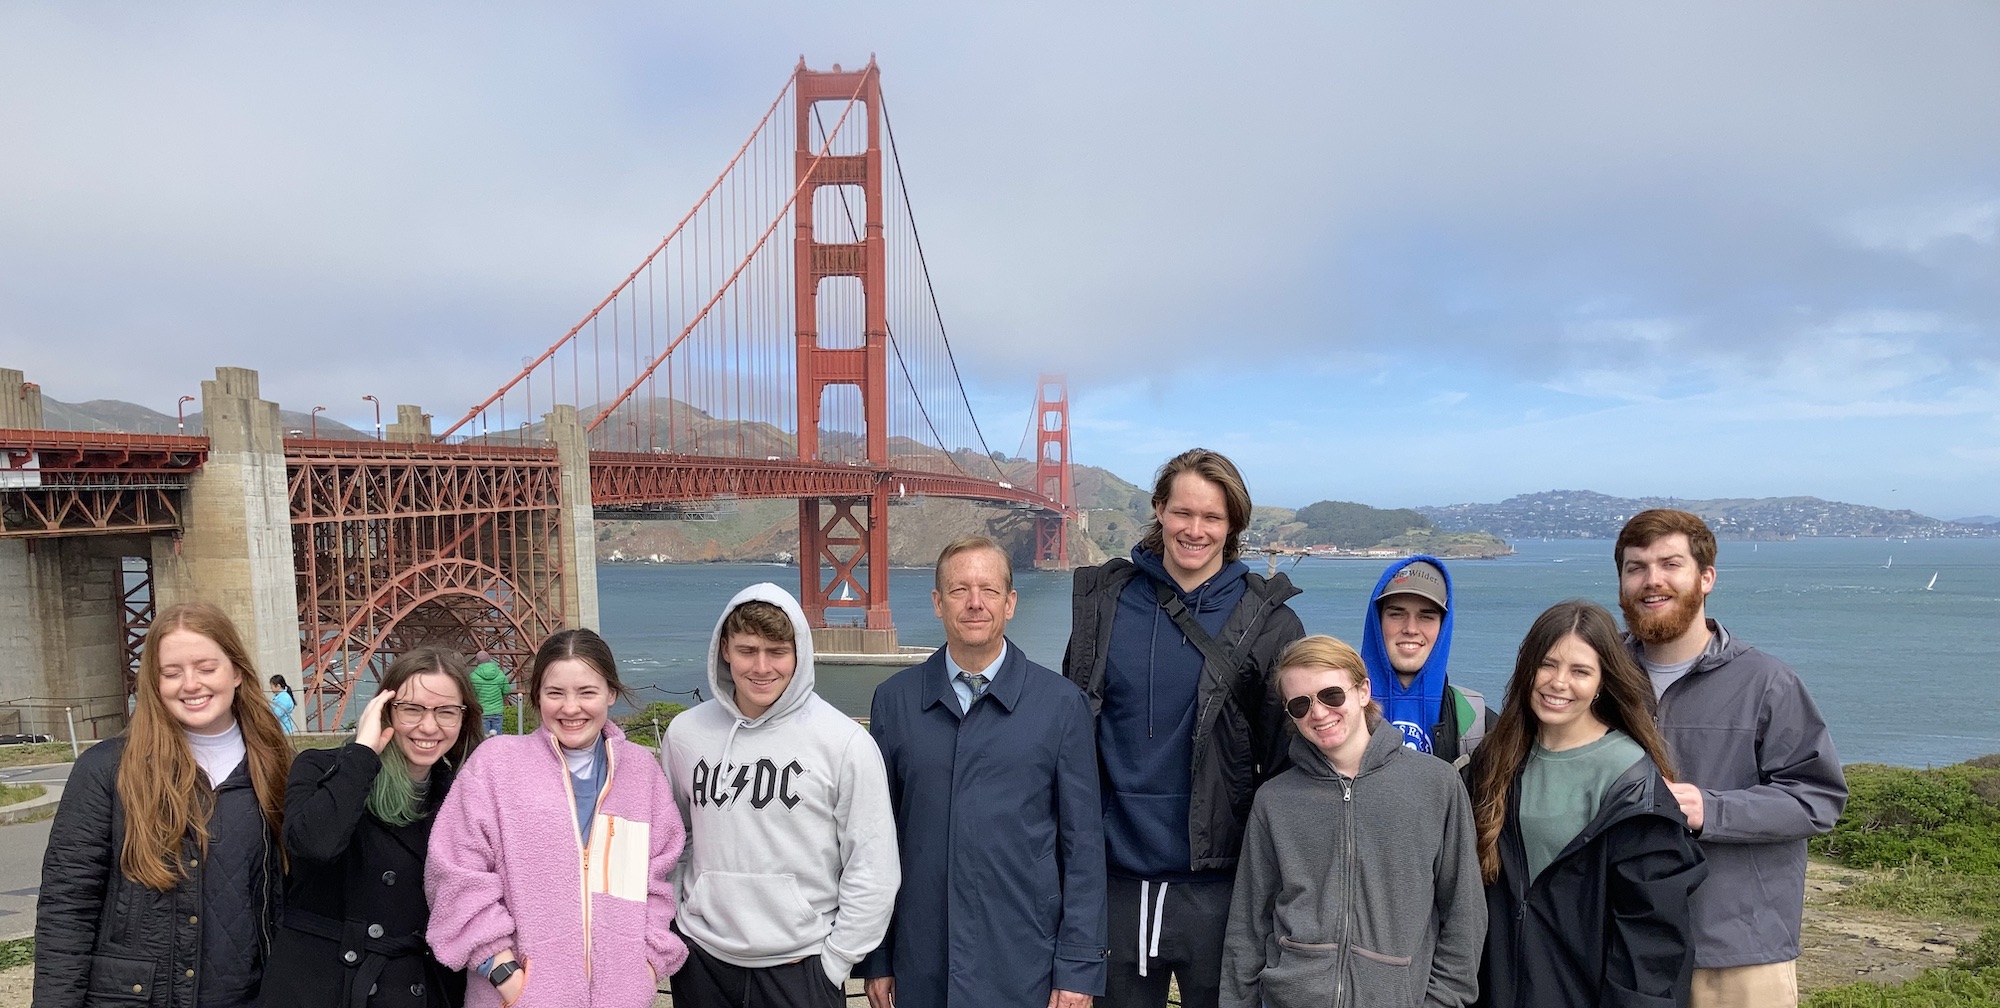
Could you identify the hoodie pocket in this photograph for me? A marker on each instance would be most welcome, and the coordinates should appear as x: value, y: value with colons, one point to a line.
x: 1302, y: 975
x: 620, y: 857
x: 1379, y: 979
x: 747, y: 914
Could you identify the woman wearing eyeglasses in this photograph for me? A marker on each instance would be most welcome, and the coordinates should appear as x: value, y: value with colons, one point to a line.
x: 1359, y: 881
x: 1587, y: 859
x: 357, y: 826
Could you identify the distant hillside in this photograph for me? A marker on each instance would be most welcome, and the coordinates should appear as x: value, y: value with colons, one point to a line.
x: 117, y: 415
x: 1352, y: 527
x: 1582, y: 514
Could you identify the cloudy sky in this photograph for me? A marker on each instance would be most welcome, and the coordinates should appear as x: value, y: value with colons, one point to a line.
x: 1408, y: 253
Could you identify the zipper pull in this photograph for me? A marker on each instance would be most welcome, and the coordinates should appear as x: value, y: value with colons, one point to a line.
x: 1346, y: 790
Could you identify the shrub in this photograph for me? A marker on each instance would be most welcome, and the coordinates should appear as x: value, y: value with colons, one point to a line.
x: 1900, y: 816
x: 1983, y: 953
x: 640, y: 727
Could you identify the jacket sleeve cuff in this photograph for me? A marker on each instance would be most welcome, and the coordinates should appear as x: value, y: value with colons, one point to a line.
x: 1081, y: 969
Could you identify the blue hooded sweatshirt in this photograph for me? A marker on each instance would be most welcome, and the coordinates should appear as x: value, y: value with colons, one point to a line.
x: 1414, y: 710
x: 1145, y: 734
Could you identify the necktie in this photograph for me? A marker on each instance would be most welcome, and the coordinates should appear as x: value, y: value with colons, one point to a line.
x: 976, y: 681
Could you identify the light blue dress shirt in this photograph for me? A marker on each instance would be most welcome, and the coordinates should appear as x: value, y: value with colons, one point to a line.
x: 963, y: 688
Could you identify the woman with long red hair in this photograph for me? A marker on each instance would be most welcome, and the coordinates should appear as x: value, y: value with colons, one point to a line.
x: 1587, y: 859
x: 162, y: 875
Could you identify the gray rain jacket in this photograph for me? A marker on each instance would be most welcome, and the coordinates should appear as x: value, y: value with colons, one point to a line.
x: 1741, y: 726
x: 1360, y: 892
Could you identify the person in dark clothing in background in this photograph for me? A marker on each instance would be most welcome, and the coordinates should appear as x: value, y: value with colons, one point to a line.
x: 992, y: 764
x: 1175, y: 650
x: 1588, y: 863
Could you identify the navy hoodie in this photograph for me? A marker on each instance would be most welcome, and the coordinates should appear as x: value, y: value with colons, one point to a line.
x: 1145, y: 733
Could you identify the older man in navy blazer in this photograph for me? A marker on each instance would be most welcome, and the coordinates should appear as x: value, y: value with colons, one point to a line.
x: 992, y: 764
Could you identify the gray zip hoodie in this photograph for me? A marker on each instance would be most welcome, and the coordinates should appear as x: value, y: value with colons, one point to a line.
x: 1359, y: 892
x: 791, y: 842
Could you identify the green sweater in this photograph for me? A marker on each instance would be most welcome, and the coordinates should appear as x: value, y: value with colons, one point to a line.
x: 1560, y: 792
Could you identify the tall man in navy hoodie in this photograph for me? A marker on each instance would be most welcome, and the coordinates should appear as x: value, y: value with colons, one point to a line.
x: 1174, y: 650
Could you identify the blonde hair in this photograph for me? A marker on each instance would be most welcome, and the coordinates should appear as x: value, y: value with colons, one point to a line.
x: 1322, y: 651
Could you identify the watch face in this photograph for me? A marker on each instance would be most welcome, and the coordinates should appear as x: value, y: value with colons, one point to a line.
x: 502, y: 972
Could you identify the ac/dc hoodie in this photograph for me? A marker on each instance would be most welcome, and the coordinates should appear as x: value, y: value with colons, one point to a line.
x: 791, y: 841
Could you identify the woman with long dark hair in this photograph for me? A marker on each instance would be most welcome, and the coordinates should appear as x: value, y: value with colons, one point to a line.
x: 163, y: 867
x: 1587, y: 859
x: 550, y: 870
x: 357, y: 827
x: 283, y: 703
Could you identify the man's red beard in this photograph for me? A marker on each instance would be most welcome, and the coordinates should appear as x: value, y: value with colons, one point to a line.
x: 1662, y: 625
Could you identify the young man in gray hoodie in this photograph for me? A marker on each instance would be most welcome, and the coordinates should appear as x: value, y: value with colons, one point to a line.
x: 790, y: 870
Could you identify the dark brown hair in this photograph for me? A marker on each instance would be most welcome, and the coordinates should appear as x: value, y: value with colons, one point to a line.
x: 158, y: 781
x: 1624, y: 701
x: 429, y: 660
x: 1217, y: 469
x: 584, y: 646
x: 1649, y: 527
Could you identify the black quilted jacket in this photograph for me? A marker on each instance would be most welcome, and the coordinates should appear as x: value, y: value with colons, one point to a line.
x: 102, y: 939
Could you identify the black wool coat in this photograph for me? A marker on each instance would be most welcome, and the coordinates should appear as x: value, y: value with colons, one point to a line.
x: 1607, y: 922
x: 352, y: 932
x: 103, y: 939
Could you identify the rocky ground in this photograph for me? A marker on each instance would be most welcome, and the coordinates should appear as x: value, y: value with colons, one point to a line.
x: 1842, y: 944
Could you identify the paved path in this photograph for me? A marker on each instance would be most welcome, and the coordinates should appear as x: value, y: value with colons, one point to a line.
x: 21, y: 846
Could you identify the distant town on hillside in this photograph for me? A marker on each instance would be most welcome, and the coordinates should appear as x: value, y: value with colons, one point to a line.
x: 1582, y: 514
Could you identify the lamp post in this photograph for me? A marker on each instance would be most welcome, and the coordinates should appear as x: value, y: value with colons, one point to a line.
x: 378, y: 414
x: 524, y: 432
x: 317, y: 410
x: 180, y: 418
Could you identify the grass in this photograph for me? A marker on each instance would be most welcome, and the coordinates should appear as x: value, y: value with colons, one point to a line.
x: 13, y: 793
x: 1937, y: 988
x: 35, y: 754
x: 1931, y: 892
x: 19, y: 952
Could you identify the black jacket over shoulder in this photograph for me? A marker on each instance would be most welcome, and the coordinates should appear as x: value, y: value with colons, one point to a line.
x: 1606, y: 923
x: 352, y: 933
x: 103, y: 939
x: 1239, y: 737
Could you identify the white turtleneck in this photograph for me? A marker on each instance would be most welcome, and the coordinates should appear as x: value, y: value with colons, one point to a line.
x: 218, y: 754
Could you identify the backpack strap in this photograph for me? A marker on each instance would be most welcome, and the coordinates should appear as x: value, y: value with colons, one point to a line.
x: 1177, y: 610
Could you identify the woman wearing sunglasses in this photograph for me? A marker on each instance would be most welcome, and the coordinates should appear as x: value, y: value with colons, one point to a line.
x: 1359, y: 882
x: 357, y: 825
x: 1587, y: 859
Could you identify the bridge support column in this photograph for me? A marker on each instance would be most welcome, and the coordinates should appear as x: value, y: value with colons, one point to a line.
x: 237, y: 550
x: 61, y: 641
x: 578, y: 548
x: 20, y: 401
x: 412, y: 426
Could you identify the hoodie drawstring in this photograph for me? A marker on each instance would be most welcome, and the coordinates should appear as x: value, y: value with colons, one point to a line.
x: 1158, y: 917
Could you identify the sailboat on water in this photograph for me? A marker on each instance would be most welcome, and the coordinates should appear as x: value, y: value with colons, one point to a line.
x: 1891, y: 561
x: 1933, y: 583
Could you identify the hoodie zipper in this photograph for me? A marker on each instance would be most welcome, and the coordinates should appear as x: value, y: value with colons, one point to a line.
x: 1347, y: 918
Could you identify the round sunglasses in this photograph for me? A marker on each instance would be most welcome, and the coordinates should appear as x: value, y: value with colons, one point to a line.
x: 1299, y: 706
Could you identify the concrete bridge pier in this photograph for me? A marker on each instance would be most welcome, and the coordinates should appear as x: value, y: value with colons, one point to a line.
x: 237, y: 549
x: 578, y: 529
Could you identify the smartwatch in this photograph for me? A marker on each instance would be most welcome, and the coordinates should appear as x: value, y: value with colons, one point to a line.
x: 503, y: 971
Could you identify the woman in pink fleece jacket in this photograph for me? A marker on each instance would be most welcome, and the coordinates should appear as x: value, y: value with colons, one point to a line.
x: 550, y: 869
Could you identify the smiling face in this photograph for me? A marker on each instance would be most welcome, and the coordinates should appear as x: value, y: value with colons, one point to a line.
x: 1410, y: 625
x: 761, y: 668
x: 1568, y: 680
x: 198, y: 682
x: 1662, y: 590
x: 428, y: 741
x: 1339, y: 732
x: 1194, y: 528
x: 574, y: 702
x: 974, y: 600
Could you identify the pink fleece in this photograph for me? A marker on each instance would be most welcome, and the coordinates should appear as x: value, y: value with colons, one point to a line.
x: 506, y: 870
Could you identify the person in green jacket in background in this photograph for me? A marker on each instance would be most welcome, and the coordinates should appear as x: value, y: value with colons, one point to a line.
x: 491, y: 685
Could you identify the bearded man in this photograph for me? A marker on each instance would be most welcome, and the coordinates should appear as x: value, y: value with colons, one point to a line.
x: 1757, y: 771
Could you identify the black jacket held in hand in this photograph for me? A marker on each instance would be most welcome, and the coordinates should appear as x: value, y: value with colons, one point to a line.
x: 1239, y: 735
x: 1607, y: 922
x: 103, y: 939
x: 352, y: 933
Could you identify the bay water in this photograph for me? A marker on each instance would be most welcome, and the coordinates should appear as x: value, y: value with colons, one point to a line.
x: 1904, y: 675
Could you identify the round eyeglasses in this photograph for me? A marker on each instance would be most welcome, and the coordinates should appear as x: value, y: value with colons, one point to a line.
x: 410, y: 715
x: 1299, y: 706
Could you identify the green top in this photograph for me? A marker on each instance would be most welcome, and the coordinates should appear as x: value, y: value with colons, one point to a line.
x: 490, y: 684
x: 1560, y: 793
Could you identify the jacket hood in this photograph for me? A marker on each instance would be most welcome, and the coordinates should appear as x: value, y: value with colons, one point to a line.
x: 1382, y: 680
x: 797, y: 691
x: 1384, y: 742
x: 1209, y: 596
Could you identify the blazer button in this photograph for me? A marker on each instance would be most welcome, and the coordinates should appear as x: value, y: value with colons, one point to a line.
x: 388, y: 878
x: 416, y: 990
x: 374, y: 930
x: 349, y: 957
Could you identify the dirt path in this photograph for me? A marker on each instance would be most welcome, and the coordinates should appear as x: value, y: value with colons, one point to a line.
x: 1842, y: 944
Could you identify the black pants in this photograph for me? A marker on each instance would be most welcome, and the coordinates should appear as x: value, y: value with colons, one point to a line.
x: 708, y: 982
x: 1190, y: 925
